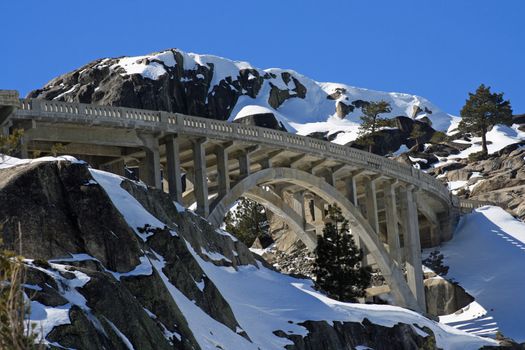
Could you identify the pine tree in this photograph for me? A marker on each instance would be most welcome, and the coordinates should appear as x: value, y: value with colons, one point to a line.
x: 482, y: 110
x: 248, y: 221
x: 417, y: 133
x: 338, y: 267
x: 371, y: 122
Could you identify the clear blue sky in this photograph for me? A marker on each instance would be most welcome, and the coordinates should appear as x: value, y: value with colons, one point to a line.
x: 437, y: 49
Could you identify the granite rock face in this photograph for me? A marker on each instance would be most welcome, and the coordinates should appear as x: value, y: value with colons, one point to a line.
x: 444, y: 297
x: 499, y: 179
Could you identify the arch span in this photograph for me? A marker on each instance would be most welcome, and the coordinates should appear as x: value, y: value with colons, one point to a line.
x: 358, y: 224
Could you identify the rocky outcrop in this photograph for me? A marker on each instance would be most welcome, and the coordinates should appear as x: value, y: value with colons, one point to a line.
x: 444, y: 297
x: 54, y: 210
x: 117, y: 285
x: 351, y: 335
x: 387, y: 141
x: 265, y: 120
x: 499, y: 179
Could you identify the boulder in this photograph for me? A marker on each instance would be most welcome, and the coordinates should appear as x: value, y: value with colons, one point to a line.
x: 351, y: 335
x: 443, y: 297
x: 265, y: 120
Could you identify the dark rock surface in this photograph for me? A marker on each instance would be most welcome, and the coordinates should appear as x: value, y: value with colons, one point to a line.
x: 390, y: 140
x: 266, y: 120
x: 349, y: 335
x: 444, y: 297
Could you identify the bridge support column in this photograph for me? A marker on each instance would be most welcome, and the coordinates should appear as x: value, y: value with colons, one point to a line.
x: 318, y: 204
x: 392, y: 228
x: 298, y: 203
x: 371, y: 214
x: 201, y: 180
x: 223, y: 176
x: 150, y: 167
x: 412, y: 245
x: 173, y: 164
x: 244, y: 164
x: 351, y: 194
x: 351, y: 189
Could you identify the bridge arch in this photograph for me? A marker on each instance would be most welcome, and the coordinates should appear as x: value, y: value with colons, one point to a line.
x: 358, y: 224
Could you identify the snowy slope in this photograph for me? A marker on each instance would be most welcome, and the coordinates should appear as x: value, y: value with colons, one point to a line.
x: 487, y: 258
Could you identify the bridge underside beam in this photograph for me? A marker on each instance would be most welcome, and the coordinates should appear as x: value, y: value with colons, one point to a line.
x: 93, y: 136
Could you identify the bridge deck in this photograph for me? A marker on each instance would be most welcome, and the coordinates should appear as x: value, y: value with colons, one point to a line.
x: 164, y: 122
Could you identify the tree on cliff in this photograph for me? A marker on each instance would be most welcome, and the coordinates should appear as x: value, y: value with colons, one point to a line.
x: 371, y: 122
x: 338, y: 268
x: 482, y: 110
x: 247, y: 221
x: 10, y: 144
x: 417, y: 133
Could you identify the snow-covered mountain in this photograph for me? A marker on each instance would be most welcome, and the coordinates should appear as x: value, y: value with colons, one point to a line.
x: 220, y: 88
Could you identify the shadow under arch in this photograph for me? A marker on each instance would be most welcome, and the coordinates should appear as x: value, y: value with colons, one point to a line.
x: 358, y: 224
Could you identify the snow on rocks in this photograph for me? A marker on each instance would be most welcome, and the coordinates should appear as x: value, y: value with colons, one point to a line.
x: 44, y: 317
x: 9, y: 162
x: 133, y: 212
x: 307, y: 104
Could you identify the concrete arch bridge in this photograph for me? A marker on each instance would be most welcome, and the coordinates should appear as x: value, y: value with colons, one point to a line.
x: 393, y: 209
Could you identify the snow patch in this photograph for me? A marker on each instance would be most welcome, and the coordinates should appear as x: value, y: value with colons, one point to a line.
x: 134, y: 213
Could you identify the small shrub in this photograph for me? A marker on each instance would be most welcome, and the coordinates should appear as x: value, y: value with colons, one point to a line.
x: 10, y: 144
x: 58, y: 149
x: 435, y: 263
x: 477, y: 156
x: 438, y: 137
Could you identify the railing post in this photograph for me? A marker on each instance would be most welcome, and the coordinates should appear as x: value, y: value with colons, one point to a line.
x: 163, y: 117
x: 36, y: 105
